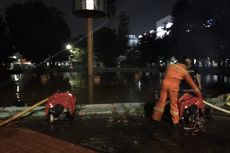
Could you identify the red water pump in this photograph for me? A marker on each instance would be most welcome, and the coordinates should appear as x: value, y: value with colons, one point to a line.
x: 60, y: 106
x: 192, y: 111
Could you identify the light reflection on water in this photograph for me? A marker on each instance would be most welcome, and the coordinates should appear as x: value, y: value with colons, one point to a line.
x: 217, y: 79
x: 110, y: 87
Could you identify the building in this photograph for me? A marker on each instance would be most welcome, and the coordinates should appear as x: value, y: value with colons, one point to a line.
x: 132, y: 41
x: 163, y: 26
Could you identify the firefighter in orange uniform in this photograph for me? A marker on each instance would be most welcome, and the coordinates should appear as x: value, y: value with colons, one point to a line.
x: 170, y: 88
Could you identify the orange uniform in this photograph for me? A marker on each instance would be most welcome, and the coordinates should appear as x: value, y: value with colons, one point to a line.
x: 170, y: 88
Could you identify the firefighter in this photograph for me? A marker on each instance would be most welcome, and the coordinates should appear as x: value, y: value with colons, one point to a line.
x: 170, y: 88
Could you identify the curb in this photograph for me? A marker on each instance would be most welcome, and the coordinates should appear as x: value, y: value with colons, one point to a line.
x: 81, y: 110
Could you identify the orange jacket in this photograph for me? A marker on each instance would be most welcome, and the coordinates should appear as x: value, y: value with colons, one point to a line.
x: 177, y: 72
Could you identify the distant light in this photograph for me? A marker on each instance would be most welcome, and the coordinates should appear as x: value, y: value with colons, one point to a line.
x: 194, y: 61
x: 168, y: 25
x: 160, y: 34
x: 140, y: 36
x: 160, y: 28
x: 151, y: 31
x: 188, y: 30
x: 68, y: 46
x: 14, y: 57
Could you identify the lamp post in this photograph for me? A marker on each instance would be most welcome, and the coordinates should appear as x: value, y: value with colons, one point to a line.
x: 89, y: 9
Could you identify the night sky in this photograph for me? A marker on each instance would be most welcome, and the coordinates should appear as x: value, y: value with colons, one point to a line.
x: 143, y: 14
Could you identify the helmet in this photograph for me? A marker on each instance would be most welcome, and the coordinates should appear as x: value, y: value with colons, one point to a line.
x: 173, y: 60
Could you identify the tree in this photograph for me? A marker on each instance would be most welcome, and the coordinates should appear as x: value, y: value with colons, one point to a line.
x: 36, y: 30
x: 3, y: 30
x: 5, y: 45
x: 123, y: 32
x: 110, y: 9
x: 80, y: 43
x: 105, y: 46
x: 147, y: 48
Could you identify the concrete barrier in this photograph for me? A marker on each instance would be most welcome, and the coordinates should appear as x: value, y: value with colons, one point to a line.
x: 90, y: 109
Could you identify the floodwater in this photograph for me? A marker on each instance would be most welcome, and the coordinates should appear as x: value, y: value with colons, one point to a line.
x: 106, y: 87
x: 117, y: 133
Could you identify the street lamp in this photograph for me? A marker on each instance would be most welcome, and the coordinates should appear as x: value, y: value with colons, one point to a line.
x: 89, y: 9
x: 68, y: 46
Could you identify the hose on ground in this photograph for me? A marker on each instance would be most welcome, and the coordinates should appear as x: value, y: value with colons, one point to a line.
x: 23, y: 112
x: 216, y: 107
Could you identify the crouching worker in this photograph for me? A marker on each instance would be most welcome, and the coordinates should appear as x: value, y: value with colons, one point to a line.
x: 170, y: 89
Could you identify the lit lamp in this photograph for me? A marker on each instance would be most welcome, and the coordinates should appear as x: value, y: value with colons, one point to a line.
x: 68, y: 46
x: 89, y: 9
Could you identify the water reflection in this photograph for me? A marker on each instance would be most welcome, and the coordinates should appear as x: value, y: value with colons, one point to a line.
x: 44, y: 78
x: 90, y: 90
x: 17, y: 78
x: 226, y: 79
x: 109, y: 87
x: 211, y: 78
x: 76, y: 80
x: 216, y: 79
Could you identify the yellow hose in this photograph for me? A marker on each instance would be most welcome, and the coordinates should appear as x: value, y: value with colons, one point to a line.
x: 217, y: 108
x: 23, y: 112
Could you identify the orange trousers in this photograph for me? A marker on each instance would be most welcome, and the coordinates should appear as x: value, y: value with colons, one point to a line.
x: 169, y: 89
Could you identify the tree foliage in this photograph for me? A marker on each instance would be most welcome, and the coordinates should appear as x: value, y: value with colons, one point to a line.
x: 79, y: 44
x: 2, y: 27
x: 111, y: 9
x: 105, y: 46
x: 147, y: 48
x: 36, y: 30
x: 5, y: 45
x: 123, y: 32
x: 109, y: 44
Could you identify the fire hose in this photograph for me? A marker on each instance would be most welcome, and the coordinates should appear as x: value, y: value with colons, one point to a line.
x: 216, y: 107
x: 23, y: 112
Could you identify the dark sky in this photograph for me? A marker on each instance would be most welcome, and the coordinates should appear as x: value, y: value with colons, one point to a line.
x: 143, y: 14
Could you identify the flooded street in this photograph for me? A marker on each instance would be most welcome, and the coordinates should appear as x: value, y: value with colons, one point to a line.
x: 128, y: 134
x: 106, y: 87
x: 117, y: 133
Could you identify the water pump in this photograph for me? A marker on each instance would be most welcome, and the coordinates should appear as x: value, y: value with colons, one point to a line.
x: 60, y: 107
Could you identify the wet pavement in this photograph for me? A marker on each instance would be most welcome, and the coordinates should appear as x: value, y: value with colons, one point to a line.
x: 133, y: 133
x: 15, y: 139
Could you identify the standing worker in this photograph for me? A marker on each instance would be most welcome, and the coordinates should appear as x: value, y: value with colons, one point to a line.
x: 170, y: 88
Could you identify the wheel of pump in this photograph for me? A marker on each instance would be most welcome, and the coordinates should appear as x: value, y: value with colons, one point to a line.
x: 193, y: 118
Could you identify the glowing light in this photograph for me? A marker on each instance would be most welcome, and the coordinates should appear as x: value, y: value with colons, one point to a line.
x: 90, y: 4
x: 16, y: 77
x: 140, y: 36
x: 160, y: 34
x: 168, y: 25
x: 160, y: 28
x: 68, y: 46
x: 151, y: 31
